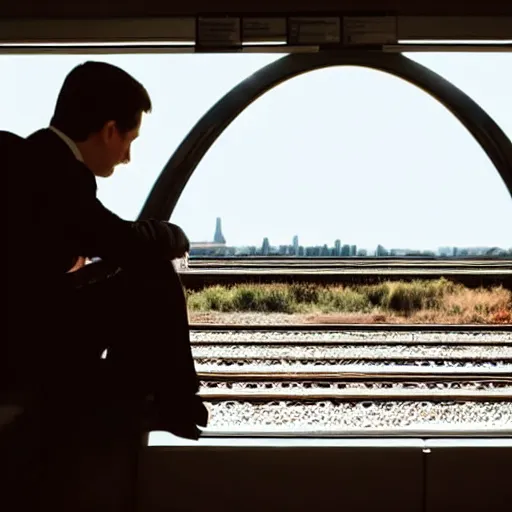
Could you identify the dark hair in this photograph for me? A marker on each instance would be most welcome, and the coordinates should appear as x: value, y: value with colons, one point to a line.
x: 94, y: 93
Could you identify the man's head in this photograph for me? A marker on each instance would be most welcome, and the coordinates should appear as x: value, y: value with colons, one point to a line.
x: 100, y: 108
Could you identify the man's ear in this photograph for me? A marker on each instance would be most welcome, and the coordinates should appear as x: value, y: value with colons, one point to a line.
x: 108, y: 131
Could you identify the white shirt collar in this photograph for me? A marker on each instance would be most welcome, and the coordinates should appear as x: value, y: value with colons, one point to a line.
x: 71, y: 144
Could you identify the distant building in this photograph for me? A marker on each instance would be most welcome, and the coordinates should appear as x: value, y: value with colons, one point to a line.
x: 296, y: 245
x: 404, y: 252
x: 265, y: 247
x: 313, y: 251
x: 218, y: 237
x: 216, y: 248
x: 381, y: 251
x: 445, y: 251
x: 208, y: 249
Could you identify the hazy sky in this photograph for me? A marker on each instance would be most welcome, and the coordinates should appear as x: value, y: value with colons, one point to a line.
x: 344, y: 152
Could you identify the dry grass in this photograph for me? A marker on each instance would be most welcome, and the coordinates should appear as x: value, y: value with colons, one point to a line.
x: 479, y: 305
x: 438, y: 301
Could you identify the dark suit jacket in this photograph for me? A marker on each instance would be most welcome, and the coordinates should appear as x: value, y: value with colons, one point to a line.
x: 54, y: 216
x: 68, y: 220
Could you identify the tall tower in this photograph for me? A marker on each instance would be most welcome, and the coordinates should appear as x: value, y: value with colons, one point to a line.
x: 218, y: 237
x: 265, y: 247
x: 337, y: 247
x: 295, y: 245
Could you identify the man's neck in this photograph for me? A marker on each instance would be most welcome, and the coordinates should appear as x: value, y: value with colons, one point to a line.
x: 69, y: 142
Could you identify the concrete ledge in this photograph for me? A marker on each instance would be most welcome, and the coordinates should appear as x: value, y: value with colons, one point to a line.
x: 277, y: 475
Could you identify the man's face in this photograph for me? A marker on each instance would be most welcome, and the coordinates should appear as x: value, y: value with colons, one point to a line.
x: 115, y: 148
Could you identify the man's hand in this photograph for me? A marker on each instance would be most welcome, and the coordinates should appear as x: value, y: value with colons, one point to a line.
x: 80, y: 263
x: 170, y: 238
x: 182, y: 241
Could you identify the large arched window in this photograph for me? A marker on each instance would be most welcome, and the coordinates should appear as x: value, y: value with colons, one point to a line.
x: 343, y: 153
x: 352, y: 154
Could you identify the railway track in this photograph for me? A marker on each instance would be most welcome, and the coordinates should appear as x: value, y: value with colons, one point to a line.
x: 328, y: 265
x: 351, y: 271
x: 349, y: 354
x: 339, y: 377
x: 330, y: 262
x: 358, y: 395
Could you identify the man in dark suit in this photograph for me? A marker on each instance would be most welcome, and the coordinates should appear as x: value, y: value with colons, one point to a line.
x: 131, y: 304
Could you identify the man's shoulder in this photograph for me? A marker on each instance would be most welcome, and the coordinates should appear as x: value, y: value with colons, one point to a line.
x: 10, y: 138
x: 46, y: 144
x: 53, y: 157
x: 44, y: 138
x: 12, y: 147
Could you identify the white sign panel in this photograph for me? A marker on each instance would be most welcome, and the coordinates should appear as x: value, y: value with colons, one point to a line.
x: 218, y: 31
x: 260, y: 30
x: 314, y: 30
x: 369, y: 30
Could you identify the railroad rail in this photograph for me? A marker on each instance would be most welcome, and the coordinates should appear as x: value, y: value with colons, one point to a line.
x: 346, y: 263
x: 352, y: 375
x: 344, y: 362
x: 347, y: 343
x: 376, y: 395
x: 409, y: 328
x: 368, y: 375
x: 197, y: 279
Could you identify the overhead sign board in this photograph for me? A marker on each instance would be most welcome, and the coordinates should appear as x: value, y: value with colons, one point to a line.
x: 314, y: 30
x: 212, y: 33
x: 369, y: 30
x: 455, y: 28
x: 256, y: 30
x: 218, y: 32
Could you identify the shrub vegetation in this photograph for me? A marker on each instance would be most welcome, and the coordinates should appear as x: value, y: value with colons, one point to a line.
x: 436, y: 301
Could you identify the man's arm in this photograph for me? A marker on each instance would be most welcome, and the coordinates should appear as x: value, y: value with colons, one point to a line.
x: 101, y: 233
x: 169, y: 238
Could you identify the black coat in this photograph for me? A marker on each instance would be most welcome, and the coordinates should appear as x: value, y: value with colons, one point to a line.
x: 70, y: 221
x: 140, y: 314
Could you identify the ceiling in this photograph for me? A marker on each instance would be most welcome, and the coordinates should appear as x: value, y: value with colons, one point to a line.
x: 148, y: 8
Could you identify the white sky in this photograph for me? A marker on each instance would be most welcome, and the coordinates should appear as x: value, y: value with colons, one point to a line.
x: 344, y: 153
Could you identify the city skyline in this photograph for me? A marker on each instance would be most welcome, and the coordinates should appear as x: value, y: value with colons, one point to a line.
x: 219, y: 244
